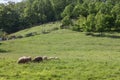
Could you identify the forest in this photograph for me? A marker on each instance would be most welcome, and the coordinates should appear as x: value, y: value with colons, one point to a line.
x: 79, y: 15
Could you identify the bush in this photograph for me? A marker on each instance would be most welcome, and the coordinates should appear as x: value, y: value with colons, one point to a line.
x: 66, y: 22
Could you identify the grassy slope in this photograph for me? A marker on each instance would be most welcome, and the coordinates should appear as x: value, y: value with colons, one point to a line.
x: 81, y: 57
x: 39, y: 29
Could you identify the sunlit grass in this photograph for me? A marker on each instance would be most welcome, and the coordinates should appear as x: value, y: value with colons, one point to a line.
x: 81, y: 57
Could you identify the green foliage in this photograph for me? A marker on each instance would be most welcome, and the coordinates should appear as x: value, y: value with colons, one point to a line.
x: 104, y: 8
x: 80, y: 24
x: 101, y: 23
x: 90, y: 23
x: 77, y: 10
x: 92, y: 8
x: 58, y: 7
x: 100, y: 16
x: 117, y: 22
x: 104, y: 22
x: 66, y: 21
x: 67, y: 11
x: 30, y: 12
x: 9, y: 18
x: 1, y: 33
x: 116, y: 13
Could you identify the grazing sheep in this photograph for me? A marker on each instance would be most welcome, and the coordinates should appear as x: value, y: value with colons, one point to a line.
x: 24, y: 59
x: 51, y: 58
x: 56, y: 58
x: 29, y: 58
x: 45, y: 58
x: 38, y: 59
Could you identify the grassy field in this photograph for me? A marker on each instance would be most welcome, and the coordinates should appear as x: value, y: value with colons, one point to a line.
x: 81, y: 57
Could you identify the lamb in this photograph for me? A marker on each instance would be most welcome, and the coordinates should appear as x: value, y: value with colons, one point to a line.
x: 38, y: 59
x: 56, y: 58
x: 24, y: 59
x: 53, y: 58
x: 45, y: 58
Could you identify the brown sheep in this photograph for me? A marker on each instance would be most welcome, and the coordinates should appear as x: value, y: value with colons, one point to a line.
x: 29, y: 58
x: 38, y: 59
x: 24, y: 59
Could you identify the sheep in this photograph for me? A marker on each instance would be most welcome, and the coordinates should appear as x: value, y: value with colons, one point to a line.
x: 51, y: 58
x: 21, y: 59
x: 29, y: 58
x: 56, y: 58
x: 45, y: 58
x: 24, y: 59
x: 38, y: 59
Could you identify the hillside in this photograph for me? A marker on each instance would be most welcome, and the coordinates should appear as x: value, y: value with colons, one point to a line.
x: 81, y: 57
x: 40, y: 29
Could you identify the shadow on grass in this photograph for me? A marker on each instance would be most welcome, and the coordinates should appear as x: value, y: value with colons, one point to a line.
x: 109, y: 35
x: 0, y: 43
x: 3, y: 51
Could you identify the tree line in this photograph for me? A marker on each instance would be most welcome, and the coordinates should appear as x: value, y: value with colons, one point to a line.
x: 17, y: 16
x: 93, y: 15
x: 89, y: 15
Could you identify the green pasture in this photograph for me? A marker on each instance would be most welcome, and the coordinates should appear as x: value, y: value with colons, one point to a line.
x: 82, y: 57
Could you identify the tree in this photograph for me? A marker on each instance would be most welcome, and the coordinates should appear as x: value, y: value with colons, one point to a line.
x: 105, y: 8
x: 80, y: 24
x: 90, y: 23
x: 68, y: 11
x: 77, y: 10
x: 66, y: 21
x: 103, y: 22
x: 92, y: 8
x: 116, y: 14
x: 9, y: 18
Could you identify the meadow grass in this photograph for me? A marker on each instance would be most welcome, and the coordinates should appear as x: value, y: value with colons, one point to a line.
x: 81, y: 57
